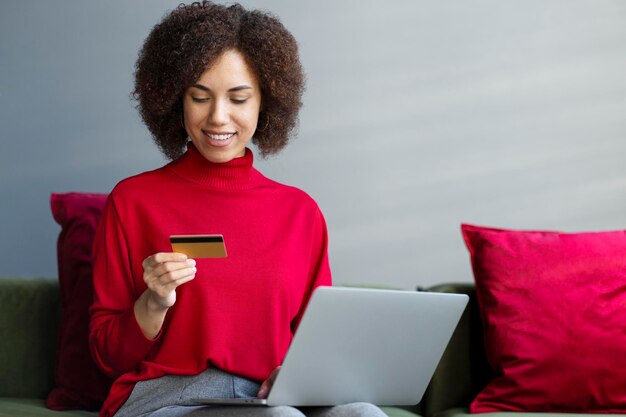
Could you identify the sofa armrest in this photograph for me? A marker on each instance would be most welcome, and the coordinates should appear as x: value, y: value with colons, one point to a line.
x: 463, y: 370
x: 29, y: 316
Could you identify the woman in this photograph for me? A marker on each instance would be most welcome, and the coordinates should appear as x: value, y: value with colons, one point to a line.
x: 209, y: 80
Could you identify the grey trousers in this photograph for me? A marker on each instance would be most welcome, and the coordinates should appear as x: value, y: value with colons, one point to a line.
x: 171, y: 396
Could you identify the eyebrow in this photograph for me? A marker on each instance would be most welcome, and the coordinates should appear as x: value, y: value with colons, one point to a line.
x: 238, y: 88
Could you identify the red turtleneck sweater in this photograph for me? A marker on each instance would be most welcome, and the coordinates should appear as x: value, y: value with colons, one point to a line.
x: 240, y: 312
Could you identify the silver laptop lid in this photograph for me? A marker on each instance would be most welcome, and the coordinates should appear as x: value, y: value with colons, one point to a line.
x: 378, y: 346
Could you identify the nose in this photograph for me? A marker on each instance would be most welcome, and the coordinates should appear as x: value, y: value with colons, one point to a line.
x: 219, y: 113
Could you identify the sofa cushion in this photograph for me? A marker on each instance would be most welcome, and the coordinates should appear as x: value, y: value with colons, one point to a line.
x: 35, y: 407
x: 464, y: 412
x: 552, y: 306
x: 79, y: 383
x: 29, y: 316
x: 398, y: 412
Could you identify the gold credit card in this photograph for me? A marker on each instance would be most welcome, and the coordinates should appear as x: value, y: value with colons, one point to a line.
x: 199, y: 246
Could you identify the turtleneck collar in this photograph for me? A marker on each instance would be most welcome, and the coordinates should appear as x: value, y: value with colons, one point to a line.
x: 234, y: 174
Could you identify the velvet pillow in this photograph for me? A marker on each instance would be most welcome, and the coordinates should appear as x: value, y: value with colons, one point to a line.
x: 79, y: 383
x: 553, y: 307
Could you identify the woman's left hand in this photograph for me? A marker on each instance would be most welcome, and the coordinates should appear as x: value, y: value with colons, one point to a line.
x: 266, y: 386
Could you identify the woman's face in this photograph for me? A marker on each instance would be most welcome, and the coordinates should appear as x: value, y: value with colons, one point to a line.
x: 221, y: 109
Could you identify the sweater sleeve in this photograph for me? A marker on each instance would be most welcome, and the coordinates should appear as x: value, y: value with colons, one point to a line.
x: 116, y: 341
x: 319, y: 269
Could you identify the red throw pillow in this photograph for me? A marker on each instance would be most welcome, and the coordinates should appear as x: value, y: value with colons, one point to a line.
x: 553, y: 307
x: 79, y: 383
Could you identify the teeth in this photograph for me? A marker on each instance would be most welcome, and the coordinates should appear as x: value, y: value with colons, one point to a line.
x: 220, y: 137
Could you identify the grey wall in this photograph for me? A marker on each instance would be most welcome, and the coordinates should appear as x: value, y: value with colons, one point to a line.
x: 418, y: 116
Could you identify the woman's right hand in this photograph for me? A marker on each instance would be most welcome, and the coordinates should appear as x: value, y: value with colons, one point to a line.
x: 162, y: 272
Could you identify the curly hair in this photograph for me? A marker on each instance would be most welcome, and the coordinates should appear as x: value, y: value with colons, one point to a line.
x: 188, y: 41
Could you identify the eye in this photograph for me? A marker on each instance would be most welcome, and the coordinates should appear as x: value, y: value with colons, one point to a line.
x: 199, y: 99
x: 238, y: 100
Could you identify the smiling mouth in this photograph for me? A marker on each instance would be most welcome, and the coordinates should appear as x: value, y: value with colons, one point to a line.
x: 218, y: 136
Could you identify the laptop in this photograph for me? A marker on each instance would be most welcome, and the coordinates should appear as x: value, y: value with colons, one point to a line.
x: 371, y: 345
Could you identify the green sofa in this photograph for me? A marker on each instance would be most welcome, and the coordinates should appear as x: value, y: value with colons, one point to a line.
x: 29, y: 317
x: 463, y: 370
